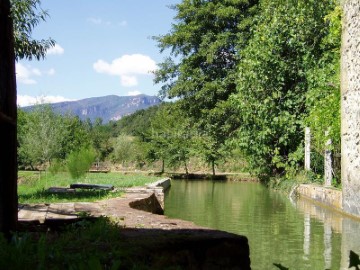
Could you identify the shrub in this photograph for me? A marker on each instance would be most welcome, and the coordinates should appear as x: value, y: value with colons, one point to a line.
x: 56, y: 166
x: 79, y: 162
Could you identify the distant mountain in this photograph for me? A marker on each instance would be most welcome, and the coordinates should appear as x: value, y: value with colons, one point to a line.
x: 108, y: 107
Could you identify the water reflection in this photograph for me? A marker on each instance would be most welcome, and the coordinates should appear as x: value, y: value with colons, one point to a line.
x: 307, y: 237
x: 333, y: 221
x: 297, y: 234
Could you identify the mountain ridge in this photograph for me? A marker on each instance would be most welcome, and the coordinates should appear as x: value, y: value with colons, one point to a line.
x: 108, y: 108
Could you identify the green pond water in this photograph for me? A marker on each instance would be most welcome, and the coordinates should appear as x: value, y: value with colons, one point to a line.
x: 294, y: 233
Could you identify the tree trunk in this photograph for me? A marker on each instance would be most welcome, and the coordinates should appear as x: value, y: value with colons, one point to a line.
x: 186, y: 168
x: 213, y: 167
x: 163, y: 166
x: 8, y: 122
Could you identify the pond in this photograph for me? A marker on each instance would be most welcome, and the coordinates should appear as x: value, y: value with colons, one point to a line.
x: 297, y: 234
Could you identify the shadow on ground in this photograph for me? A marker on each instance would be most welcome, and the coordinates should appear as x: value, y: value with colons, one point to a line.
x: 76, y: 243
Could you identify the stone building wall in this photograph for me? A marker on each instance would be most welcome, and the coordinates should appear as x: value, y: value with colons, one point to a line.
x: 350, y: 107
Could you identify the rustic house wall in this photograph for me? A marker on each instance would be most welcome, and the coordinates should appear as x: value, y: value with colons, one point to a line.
x: 350, y: 107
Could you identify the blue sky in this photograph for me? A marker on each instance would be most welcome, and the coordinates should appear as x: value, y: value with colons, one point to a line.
x: 103, y: 47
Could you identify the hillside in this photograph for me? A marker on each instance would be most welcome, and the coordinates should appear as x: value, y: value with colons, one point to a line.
x: 108, y: 107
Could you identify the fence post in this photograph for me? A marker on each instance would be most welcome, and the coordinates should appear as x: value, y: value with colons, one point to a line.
x: 328, y: 161
x: 307, y: 148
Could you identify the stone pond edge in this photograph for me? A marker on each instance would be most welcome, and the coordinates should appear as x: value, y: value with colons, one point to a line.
x: 327, y: 197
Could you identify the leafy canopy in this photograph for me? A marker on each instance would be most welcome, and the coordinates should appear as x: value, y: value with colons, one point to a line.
x: 272, y: 80
x: 27, y: 14
x: 201, y: 70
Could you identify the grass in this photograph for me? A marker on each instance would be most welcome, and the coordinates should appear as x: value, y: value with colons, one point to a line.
x: 83, y: 245
x: 303, y: 177
x: 101, y: 244
x: 86, y: 244
x: 32, y: 186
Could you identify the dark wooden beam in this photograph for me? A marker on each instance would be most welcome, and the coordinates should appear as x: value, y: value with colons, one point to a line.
x: 8, y: 122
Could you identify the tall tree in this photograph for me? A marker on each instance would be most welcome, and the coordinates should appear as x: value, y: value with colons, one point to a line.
x: 272, y: 81
x: 42, y: 136
x: 24, y: 21
x: 204, y: 44
x: 171, y: 136
x: 8, y: 119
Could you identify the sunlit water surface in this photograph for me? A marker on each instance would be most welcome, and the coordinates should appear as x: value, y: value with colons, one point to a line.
x: 296, y: 234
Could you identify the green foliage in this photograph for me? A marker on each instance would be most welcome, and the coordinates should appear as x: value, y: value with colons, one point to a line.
x: 272, y: 82
x: 171, y: 136
x: 76, y: 135
x: 27, y: 14
x: 129, y: 149
x: 202, y: 67
x: 41, y: 136
x: 75, y: 248
x: 323, y: 96
x: 79, y: 162
x: 56, y: 166
x: 136, y: 124
x: 100, y: 138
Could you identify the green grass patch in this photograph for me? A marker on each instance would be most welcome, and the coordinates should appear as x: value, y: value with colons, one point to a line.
x: 286, y: 184
x: 33, y: 186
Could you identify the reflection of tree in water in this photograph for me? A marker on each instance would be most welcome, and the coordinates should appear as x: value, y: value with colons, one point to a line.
x: 298, y: 236
x: 354, y: 261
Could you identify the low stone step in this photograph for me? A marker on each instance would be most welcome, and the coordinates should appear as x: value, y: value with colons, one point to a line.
x: 92, y: 186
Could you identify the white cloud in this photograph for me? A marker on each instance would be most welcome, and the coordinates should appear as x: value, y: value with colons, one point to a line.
x: 50, y: 72
x: 57, y: 49
x: 25, y: 100
x: 134, y: 93
x: 36, y: 72
x: 100, y: 21
x: 122, y: 23
x: 128, y: 81
x: 127, y: 67
x: 24, y: 74
x: 95, y: 20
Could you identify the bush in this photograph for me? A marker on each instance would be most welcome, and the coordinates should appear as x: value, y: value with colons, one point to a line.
x: 56, y: 166
x: 79, y: 162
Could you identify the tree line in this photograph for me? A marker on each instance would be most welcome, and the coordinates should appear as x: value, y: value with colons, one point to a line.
x: 159, y: 137
x: 246, y: 76
x: 252, y: 74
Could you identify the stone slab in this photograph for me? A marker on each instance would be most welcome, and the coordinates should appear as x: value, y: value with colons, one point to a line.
x: 61, y: 211
x: 33, y: 212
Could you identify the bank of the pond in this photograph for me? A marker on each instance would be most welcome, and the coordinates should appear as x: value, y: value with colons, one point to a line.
x: 329, y: 197
x: 148, y: 240
x: 246, y: 177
